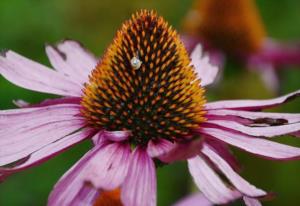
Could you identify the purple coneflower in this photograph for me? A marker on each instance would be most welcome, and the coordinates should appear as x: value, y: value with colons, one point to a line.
x: 234, y: 28
x: 143, y: 101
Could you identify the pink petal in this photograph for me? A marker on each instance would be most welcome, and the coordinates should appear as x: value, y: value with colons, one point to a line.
x: 209, y: 183
x: 116, y: 136
x: 223, y: 150
x: 63, y: 100
x: 71, y: 183
x: 103, y: 161
x: 159, y: 147
x: 34, y: 128
x: 37, y: 115
x: 251, y: 201
x: 258, y: 117
x: 254, y: 145
x: 260, y: 131
x: 204, y: 69
x: 108, y: 168
x: 72, y: 60
x: 197, y: 199
x: 139, y: 187
x: 99, y: 139
x: 182, y: 151
x: 252, y: 104
x: 241, y: 184
x: 30, y: 141
x: 49, y: 151
x: 34, y: 76
x: 35, y: 121
x: 86, y: 196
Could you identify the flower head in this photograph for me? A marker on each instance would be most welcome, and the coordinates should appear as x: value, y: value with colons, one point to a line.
x: 160, y: 99
x: 144, y: 100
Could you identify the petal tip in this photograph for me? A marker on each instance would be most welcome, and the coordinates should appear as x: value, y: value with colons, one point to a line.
x: 62, y: 54
x: 71, y: 41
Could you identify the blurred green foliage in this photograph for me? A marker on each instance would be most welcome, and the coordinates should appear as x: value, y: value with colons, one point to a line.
x: 26, y: 25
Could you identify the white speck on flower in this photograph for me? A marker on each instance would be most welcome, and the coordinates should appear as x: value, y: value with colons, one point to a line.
x: 136, y: 62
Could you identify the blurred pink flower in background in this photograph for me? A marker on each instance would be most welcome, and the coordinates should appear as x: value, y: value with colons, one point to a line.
x: 234, y: 28
x: 143, y: 102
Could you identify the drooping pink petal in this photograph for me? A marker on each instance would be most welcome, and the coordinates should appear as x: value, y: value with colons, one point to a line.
x: 254, y: 145
x: 48, y: 151
x: 241, y: 184
x: 63, y: 100
x: 223, y: 150
x: 139, y: 187
x: 204, y: 69
x: 104, y: 161
x: 34, y: 116
x: 182, y: 151
x: 24, y: 131
x: 72, y: 60
x: 209, y: 182
x: 251, y: 201
x: 159, y: 147
x: 116, y: 136
x: 86, y: 196
x: 31, y: 140
x: 252, y: 104
x: 71, y: 183
x: 108, y: 168
x: 35, y: 122
x: 99, y: 139
x: 197, y: 199
x: 34, y: 76
x: 259, y: 117
x: 260, y: 131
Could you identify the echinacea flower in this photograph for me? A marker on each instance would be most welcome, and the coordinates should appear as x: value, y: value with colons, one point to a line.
x: 143, y: 101
x: 234, y: 28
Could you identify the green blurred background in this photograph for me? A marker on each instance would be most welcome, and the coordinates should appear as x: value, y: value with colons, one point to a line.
x: 26, y: 25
